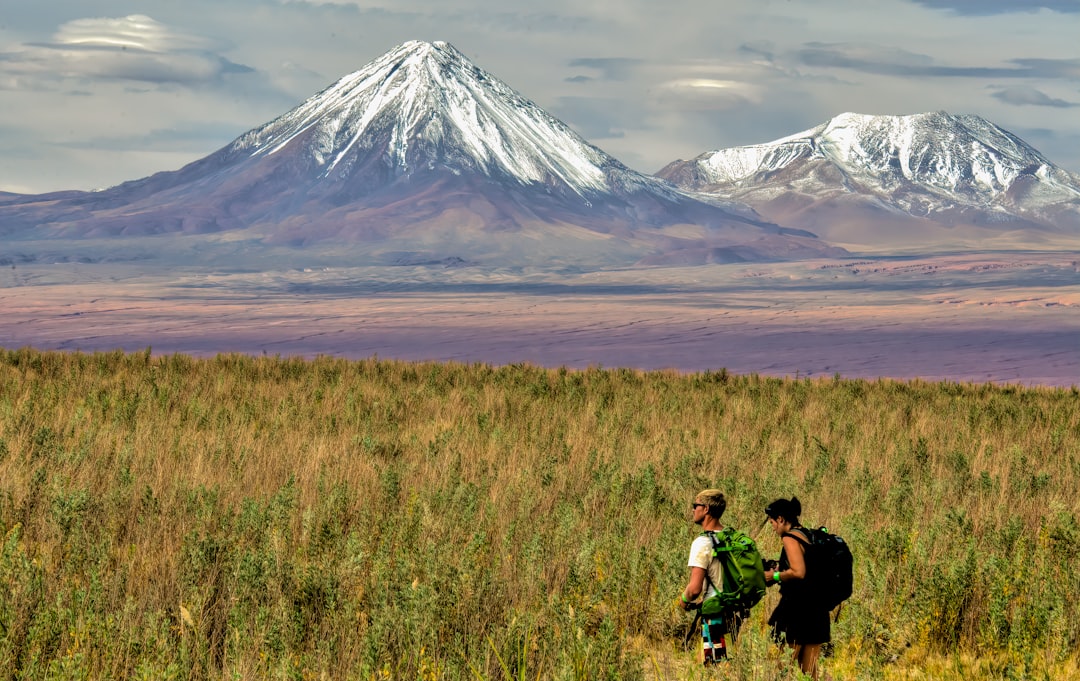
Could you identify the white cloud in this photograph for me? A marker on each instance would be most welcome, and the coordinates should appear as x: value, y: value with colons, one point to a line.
x: 712, y: 93
x: 135, y: 48
x: 136, y: 31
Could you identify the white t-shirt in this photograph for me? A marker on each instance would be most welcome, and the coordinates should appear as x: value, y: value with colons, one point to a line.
x: 701, y: 556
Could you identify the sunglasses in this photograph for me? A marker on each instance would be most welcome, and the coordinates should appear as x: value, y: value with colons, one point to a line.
x: 695, y: 505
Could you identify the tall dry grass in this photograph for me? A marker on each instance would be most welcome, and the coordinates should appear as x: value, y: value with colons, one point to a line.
x: 242, y: 517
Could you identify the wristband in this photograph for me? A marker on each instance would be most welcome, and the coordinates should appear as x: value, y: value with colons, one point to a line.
x: 776, y: 576
x: 682, y: 597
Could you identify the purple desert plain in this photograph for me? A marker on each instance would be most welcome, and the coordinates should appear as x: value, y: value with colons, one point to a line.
x: 958, y: 318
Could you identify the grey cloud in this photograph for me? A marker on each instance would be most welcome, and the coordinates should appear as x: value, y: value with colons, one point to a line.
x: 847, y: 54
x: 53, y: 62
x: 133, y: 48
x: 528, y: 22
x: 615, y: 68
x: 758, y: 49
x: 1022, y: 95
x: 436, y: 16
x: 580, y: 79
x: 989, y: 7
x: 869, y: 59
x: 1051, y: 68
x: 181, y: 137
x: 371, y: 13
x: 1054, y: 144
x: 598, y: 118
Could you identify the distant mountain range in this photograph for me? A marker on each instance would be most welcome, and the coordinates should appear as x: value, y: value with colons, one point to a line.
x: 889, y: 179
x: 421, y: 157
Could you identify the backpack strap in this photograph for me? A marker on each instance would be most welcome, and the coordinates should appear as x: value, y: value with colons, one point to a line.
x: 803, y: 536
x: 711, y: 534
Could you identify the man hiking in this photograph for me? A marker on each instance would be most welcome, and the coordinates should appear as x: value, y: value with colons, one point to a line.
x: 706, y: 575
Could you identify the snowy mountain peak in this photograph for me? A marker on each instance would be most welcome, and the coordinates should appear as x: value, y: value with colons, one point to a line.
x: 426, y: 106
x: 950, y: 153
x: 952, y: 168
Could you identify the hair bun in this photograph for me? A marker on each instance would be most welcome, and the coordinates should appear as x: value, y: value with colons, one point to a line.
x: 790, y: 509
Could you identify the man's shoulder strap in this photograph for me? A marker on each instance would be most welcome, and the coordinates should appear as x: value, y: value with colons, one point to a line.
x: 711, y: 534
x: 724, y: 543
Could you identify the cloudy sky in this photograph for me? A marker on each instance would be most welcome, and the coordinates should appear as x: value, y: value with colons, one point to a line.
x: 95, y: 92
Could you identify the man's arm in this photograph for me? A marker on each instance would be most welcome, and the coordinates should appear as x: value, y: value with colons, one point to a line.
x: 693, y: 588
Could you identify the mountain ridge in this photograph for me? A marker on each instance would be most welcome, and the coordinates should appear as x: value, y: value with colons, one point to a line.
x: 932, y: 167
x: 421, y: 146
x: 423, y: 156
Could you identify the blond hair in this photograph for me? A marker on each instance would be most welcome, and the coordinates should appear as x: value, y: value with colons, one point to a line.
x: 714, y: 500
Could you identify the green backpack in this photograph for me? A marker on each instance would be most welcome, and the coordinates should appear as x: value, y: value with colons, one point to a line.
x: 744, y: 576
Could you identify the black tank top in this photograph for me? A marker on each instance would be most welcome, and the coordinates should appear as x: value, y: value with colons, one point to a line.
x: 793, y: 586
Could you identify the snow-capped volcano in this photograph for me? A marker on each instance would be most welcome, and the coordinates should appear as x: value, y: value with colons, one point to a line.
x: 953, y: 169
x: 422, y: 155
x: 424, y: 105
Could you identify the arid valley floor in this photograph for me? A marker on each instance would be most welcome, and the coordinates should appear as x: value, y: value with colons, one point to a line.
x: 1003, y: 318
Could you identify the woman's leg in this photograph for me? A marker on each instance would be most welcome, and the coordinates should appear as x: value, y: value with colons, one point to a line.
x: 807, y: 655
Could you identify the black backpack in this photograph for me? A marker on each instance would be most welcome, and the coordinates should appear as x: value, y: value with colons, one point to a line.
x: 828, y: 566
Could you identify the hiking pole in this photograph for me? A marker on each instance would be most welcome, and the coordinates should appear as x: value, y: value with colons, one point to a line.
x: 693, y: 627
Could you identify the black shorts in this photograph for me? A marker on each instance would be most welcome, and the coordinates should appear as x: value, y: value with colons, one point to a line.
x: 797, y: 623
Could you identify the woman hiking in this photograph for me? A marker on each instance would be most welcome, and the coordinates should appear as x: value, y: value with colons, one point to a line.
x: 798, y: 620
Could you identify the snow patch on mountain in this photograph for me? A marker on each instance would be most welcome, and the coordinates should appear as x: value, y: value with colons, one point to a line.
x: 961, y: 157
x: 424, y: 96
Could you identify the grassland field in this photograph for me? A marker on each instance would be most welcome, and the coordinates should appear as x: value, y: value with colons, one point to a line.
x: 239, y: 517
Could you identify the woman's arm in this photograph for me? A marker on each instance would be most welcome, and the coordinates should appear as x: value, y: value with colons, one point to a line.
x: 796, y: 559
